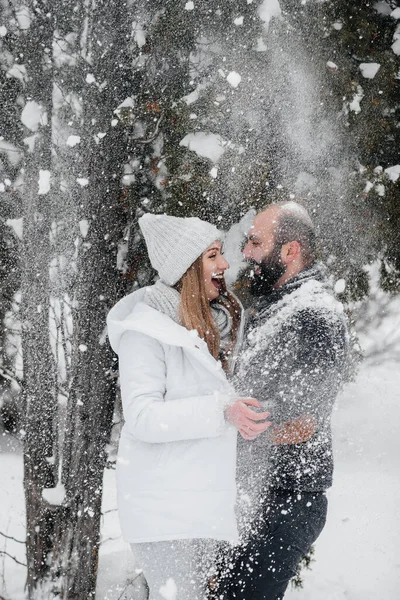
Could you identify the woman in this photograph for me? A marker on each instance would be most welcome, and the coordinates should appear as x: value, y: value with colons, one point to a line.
x: 177, y: 454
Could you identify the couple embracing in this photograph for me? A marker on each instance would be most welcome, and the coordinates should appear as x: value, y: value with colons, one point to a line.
x: 195, y: 372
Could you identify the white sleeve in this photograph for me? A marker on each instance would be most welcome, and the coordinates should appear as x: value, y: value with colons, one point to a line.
x: 148, y: 417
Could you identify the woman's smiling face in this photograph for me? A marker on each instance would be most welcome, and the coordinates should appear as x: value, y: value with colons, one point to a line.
x: 214, y: 267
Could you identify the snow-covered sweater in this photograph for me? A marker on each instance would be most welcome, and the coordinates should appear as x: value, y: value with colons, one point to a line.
x: 294, y: 358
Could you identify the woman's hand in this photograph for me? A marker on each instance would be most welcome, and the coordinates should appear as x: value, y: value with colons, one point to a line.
x: 244, y: 419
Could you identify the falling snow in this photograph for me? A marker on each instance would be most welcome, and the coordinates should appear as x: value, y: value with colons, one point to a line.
x: 44, y: 182
x: 209, y: 145
x: 234, y: 79
x: 226, y: 107
x: 369, y: 70
x: 73, y: 140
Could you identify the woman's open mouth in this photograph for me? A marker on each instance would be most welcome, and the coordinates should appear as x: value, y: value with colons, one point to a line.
x: 217, y: 281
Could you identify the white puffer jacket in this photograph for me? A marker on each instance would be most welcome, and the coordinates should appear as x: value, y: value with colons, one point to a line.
x: 177, y: 456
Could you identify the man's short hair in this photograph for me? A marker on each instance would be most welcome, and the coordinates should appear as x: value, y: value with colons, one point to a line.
x: 295, y: 225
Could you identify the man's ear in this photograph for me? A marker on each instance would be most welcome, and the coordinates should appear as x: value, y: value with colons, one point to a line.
x: 290, y: 252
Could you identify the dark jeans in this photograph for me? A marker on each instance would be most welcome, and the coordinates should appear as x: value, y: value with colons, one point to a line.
x: 288, y: 525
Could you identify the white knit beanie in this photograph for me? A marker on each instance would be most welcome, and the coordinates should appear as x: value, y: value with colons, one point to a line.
x: 174, y: 243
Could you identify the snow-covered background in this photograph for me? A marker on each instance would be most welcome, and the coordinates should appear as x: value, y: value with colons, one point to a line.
x: 356, y: 557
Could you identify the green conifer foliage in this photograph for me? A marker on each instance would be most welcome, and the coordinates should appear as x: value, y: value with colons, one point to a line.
x: 302, y: 109
x: 346, y: 36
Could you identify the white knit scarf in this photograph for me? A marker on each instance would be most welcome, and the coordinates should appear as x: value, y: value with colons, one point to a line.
x: 166, y: 299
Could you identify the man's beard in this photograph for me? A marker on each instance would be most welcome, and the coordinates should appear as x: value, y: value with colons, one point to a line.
x: 271, y: 270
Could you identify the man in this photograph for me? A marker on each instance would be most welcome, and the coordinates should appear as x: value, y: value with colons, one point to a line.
x: 293, y: 361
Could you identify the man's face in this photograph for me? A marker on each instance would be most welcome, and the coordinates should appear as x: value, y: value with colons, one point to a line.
x: 263, y: 253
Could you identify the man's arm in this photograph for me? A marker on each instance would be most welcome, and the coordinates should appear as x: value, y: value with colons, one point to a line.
x: 293, y: 432
x: 317, y: 361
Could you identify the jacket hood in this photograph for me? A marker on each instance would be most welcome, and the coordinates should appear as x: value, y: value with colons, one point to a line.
x: 118, y: 316
x: 132, y: 313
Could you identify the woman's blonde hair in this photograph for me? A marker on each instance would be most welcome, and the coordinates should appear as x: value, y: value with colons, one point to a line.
x: 195, y: 311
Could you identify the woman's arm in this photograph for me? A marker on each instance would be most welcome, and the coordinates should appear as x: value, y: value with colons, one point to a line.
x: 147, y: 416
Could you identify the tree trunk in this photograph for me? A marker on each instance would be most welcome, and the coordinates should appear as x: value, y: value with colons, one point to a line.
x: 90, y: 411
x: 39, y: 382
x: 92, y: 390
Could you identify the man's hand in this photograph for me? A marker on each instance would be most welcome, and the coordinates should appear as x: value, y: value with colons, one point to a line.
x: 293, y: 432
x: 245, y: 420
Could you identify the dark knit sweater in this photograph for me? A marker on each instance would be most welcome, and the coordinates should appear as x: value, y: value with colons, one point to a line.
x: 293, y: 359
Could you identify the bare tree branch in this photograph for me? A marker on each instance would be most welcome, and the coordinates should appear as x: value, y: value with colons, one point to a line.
x: 127, y: 585
x: 7, y: 374
x: 9, y: 537
x: 155, y: 134
x: 13, y: 557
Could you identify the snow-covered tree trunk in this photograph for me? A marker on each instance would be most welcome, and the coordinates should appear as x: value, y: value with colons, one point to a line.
x: 96, y: 165
x: 39, y: 382
x: 64, y: 504
x: 90, y: 406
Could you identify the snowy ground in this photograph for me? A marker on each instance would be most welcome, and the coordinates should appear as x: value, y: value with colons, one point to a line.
x: 357, y: 556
